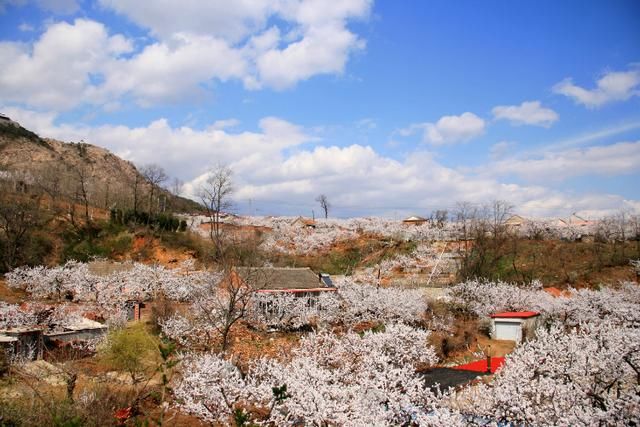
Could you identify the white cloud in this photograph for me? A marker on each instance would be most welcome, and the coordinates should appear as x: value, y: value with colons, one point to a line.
x: 169, y: 72
x: 613, y: 86
x: 610, y: 160
x: 24, y: 27
x: 500, y: 149
x: 323, y: 50
x: 453, y: 129
x: 225, y: 123
x: 276, y: 163
x: 528, y: 113
x: 222, y: 19
x: 55, y: 73
x: 196, y: 44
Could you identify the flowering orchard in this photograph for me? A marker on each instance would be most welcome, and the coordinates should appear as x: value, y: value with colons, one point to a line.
x: 585, y: 376
x: 109, y: 293
x: 351, y: 305
x: 351, y: 379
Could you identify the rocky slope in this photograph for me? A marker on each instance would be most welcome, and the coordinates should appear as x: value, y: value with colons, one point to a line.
x: 58, y: 167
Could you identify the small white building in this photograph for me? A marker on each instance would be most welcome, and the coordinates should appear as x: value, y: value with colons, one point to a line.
x: 514, y: 325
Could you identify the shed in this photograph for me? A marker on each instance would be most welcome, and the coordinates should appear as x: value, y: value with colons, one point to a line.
x: 134, y: 309
x: 25, y: 341
x: 514, y: 325
x: 414, y: 220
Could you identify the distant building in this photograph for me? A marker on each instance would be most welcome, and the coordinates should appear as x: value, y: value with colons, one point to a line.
x: 304, y: 222
x: 515, y: 221
x: 578, y: 221
x: 414, y: 220
x: 573, y: 221
x: 514, y: 325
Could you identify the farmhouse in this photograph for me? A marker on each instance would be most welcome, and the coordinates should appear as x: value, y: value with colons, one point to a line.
x: 515, y: 221
x: 414, y: 220
x: 513, y: 325
x: 304, y: 222
x: 574, y: 221
x: 84, y: 329
x: 302, y: 282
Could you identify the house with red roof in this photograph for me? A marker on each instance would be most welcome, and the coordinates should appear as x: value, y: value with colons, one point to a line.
x: 514, y: 325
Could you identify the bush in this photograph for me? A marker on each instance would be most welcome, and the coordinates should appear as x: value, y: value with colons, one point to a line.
x: 132, y: 350
x: 94, y: 407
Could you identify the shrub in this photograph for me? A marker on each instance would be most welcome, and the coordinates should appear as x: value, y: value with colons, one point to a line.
x: 132, y: 350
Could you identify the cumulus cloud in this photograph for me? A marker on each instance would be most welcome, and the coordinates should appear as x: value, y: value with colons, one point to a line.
x: 24, y: 27
x: 527, y: 113
x: 194, y: 45
x: 56, y: 72
x: 610, y: 160
x: 500, y: 149
x: 227, y: 20
x: 283, y: 161
x: 612, y: 86
x: 448, y: 130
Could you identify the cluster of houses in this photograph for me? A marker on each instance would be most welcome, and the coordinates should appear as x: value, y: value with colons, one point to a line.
x: 517, y: 221
x: 573, y: 221
x: 31, y: 341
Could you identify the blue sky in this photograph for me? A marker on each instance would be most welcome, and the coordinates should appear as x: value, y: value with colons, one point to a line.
x: 388, y: 108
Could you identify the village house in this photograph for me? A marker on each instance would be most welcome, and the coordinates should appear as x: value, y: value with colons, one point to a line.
x: 82, y: 330
x: 515, y: 221
x: 414, y: 220
x: 304, y: 222
x: 514, y: 325
x: 301, y: 282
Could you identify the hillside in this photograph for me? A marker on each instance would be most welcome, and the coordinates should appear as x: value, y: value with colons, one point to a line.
x: 56, y: 167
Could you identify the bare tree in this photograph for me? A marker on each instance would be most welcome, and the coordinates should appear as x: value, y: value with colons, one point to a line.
x: 324, y: 204
x: 154, y: 175
x: 439, y: 217
x: 176, y: 186
x: 81, y: 176
x: 215, y: 195
x: 135, y: 189
x: 20, y: 217
x: 51, y: 178
x: 223, y: 306
x: 499, y: 212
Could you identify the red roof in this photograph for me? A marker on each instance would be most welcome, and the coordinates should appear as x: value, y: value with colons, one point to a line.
x: 515, y: 314
x: 555, y: 292
x: 481, y: 365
